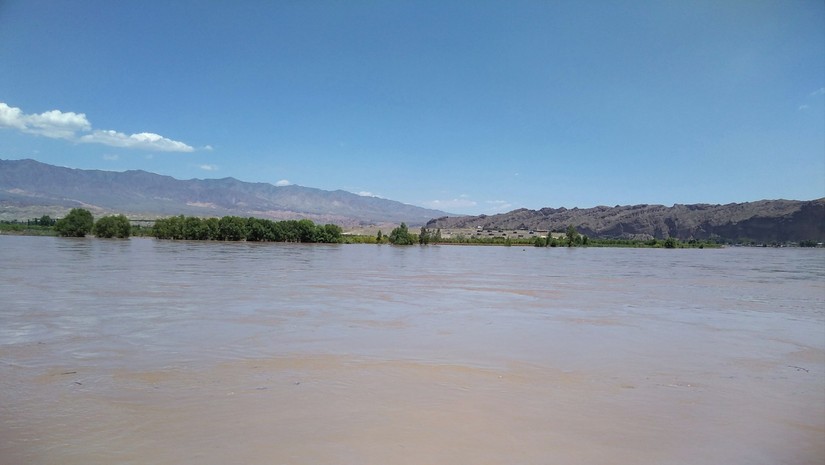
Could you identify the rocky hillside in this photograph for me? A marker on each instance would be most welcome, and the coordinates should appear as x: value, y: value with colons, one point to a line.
x: 764, y: 221
x: 29, y: 188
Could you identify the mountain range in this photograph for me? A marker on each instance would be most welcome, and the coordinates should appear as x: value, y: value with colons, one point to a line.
x: 29, y: 188
x: 764, y: 221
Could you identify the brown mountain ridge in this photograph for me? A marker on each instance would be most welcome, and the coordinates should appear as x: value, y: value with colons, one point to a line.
x: 765, y: 221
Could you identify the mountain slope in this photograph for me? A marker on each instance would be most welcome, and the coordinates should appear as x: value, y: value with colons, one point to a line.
x: 762, y: 221
x: 28, y: 183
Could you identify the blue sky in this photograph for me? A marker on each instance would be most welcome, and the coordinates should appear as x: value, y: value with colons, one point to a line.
x: 466, y: 106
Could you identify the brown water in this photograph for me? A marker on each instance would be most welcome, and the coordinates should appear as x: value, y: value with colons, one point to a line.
x: 149, y: 352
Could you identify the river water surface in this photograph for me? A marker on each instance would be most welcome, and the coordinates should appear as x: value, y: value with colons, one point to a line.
x: 158, y: 352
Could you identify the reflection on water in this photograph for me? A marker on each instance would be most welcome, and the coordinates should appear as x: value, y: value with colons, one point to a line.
x: 144, y: 351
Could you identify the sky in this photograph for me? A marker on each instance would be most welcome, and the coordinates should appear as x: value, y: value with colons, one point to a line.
x: 471, y: 107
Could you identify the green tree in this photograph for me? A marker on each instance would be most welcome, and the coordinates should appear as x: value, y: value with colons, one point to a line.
x: 424, y: 236
x: 257, y: 229
x: 401, y: 235
x: 379, y: 237
x: 232, y: 228
x: 113, y: 226
x: 306, y: 231
x: 169, y: 228
x: 77, y: 223
x: 329, y: 233
x: 212, y: 227
x: 193, y: 229
x: 670, y: 243
x: 572, y: 236
x: 46, y: 220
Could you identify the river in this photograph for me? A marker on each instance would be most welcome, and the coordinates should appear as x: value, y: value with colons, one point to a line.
x: 143, y: 351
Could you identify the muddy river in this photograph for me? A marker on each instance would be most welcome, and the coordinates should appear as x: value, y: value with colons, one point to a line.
x: 157, y: 352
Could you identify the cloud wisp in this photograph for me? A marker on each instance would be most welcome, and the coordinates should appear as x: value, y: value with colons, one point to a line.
x: 76, y: 127
x: 368, y: 194
x: 461, y: 202
x: 283, y: 182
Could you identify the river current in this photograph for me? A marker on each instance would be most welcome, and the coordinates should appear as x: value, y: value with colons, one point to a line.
x: 143, y: 351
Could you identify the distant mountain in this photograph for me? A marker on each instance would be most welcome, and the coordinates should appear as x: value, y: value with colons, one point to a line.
x: 765, y: 221
x: 29, y: 188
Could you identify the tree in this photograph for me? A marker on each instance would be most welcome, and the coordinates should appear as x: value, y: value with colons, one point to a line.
x: 169, y: 228
x: 572, y: 236
x: 77, y: 223
x: 379, y: 237
x: 46, y: 220
x: 257, y: 230
x: 306, y: 230
x: 328, y: 233
x: 401, y: 235
x: 212, y: 227
x: 424, y: 236
x: 113, y: 226
x: 232, y: 228
x: 670, y: 243
x: 193, y: 229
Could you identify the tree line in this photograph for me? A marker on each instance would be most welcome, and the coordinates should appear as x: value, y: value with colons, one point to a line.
x: 79, y: 222
x: 235, y: 228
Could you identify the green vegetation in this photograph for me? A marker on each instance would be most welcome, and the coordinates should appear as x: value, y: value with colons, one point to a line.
x: 573, y: 237
x: 113, y: 226
x: 77, y: 223
x: 26, y: 229
x: 401, y: 236
x: 235, y: 228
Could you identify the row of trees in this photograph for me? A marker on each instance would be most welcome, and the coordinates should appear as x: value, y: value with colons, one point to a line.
x: 79, y: 222
x: 235, y: 228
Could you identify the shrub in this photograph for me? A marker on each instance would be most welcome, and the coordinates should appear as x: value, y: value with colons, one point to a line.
x: 113, y: 226
x: 77, y: 223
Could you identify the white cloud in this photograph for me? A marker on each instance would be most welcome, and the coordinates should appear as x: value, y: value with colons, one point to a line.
x: 11, y: 117
x: 820, y: 91
x: 143, y: 140
x: 111, y: 157
x: 803, y: 107
x: 208, y: 147
x: 451, y: 203
x: 57, y: 124
x: 283, y: 182
x: 209, y: 167
x: 367, y: 194
x: 54, y: 123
